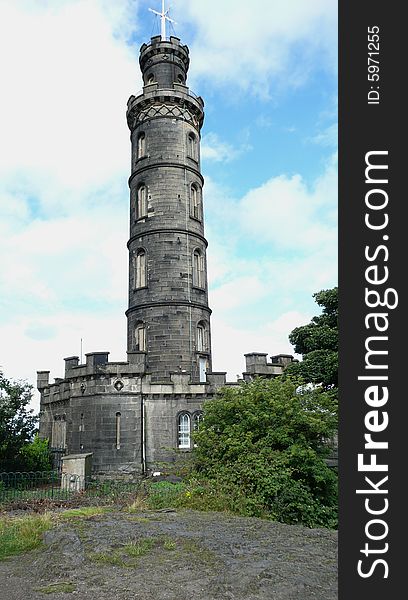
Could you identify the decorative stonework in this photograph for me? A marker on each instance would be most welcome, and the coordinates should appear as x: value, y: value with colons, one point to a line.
x: 136, y: 117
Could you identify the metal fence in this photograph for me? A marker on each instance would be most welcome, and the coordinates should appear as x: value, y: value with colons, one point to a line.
x: 38, y: 485
x: 53, y: 485
x: 56, y: 455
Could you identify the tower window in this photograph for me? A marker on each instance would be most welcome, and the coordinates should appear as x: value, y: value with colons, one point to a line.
x: 150, y: 78
x: 202, y: 342
x: 198, y: 269
x: 141, y: 145
x: 140, y: 267
x: 184, y: 430
x: 118, y: 416
x: 195, y: 202
x: 140, y: 337
x: 180, y: 78
x: 141, y: 202
x: 192, y: 146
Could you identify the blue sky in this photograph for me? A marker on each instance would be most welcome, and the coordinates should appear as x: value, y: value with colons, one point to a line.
x: 267, y: 73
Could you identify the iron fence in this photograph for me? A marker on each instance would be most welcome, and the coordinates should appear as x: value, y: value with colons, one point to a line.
x: 38, y: 485
x: 64, y: 486
x: 56, y: 455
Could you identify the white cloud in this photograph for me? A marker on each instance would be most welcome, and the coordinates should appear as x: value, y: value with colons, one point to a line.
x: 66, y: 75
x: 231, y: 342
x: 247, y: 45
x: 327, y: 137
x: 283, y: 212
x: 41, y: 343
x: 214, y: 149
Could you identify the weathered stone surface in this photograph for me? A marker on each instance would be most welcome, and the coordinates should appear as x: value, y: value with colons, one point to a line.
x: 212, y: 556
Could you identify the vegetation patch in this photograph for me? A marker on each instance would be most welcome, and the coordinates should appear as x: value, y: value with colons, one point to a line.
x: 64, y: 587
x: 128, y: 554
x: 18, y: 535
x: 86, y: 512
x: 138, y: 519
x: 139, y: 548
x: 139, y: 504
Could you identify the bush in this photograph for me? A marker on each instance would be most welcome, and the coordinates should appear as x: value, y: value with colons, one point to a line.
x: 260, y: 445
x: 36, y: 455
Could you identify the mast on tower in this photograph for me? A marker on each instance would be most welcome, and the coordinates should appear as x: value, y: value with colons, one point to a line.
x: 163, y: 18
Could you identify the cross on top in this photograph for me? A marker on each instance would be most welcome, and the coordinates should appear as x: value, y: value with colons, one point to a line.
x: 163, y: 18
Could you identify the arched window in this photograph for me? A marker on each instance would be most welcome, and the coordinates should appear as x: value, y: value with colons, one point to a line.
x: 141, y: 145
x: 195, y: 202
x: 202, y: 342
x: 118, y: 415
x: 180, y: 78
x: 184, y: 430
x: 141, y: 202
x: 198, y: 269
x: 140, y: 337
x: 192, y: 146
x: 140, y: 268
x: 150, y: 78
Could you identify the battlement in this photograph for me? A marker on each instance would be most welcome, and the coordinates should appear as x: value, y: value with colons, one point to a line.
x: 162, y: 50
x: 257, y: 365
x: 99, y: 376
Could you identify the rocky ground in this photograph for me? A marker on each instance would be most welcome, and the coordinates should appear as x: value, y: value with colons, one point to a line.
x: 184, y: 555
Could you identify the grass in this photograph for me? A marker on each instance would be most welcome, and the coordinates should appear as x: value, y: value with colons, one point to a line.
x: 128, y: 554
x: 169, y: 544
x: 84, y: 513
x: 18, y: 535
x: 53, y: 588
x: 138, y: 504
x: 140, y: 548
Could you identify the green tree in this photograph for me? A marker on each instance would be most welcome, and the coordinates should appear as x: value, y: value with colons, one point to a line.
x: 17, y: 423
x: 265, y: 439
x: 318, y: 344
x: 35, y: 456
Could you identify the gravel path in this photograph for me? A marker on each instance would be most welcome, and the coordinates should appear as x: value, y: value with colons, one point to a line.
x: 183, y: 555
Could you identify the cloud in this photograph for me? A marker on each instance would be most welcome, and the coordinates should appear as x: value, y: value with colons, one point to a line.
x: 64, y: 93
x: 231, y: 342
x: 269, y: 252
x: 248, y: 46
x: 41, y: 342
x: 327, y: 137
x: 213, y: 149
x: 284, y: 212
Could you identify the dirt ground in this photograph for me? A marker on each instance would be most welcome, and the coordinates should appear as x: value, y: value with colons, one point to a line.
x: 183, y: 555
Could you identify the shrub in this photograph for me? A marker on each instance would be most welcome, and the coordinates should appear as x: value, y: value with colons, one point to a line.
x: 35, y: 456
x: 261, y: 447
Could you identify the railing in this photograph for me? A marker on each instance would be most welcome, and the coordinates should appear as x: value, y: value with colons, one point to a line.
x: 15, y: 487
x: 162, y: 91
x: 38, y: 485
x: 56, y: 458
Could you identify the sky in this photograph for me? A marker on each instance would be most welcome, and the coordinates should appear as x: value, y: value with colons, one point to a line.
x: 267, y: 71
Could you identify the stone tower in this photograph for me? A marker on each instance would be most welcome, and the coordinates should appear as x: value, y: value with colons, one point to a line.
x: 168, y: 314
